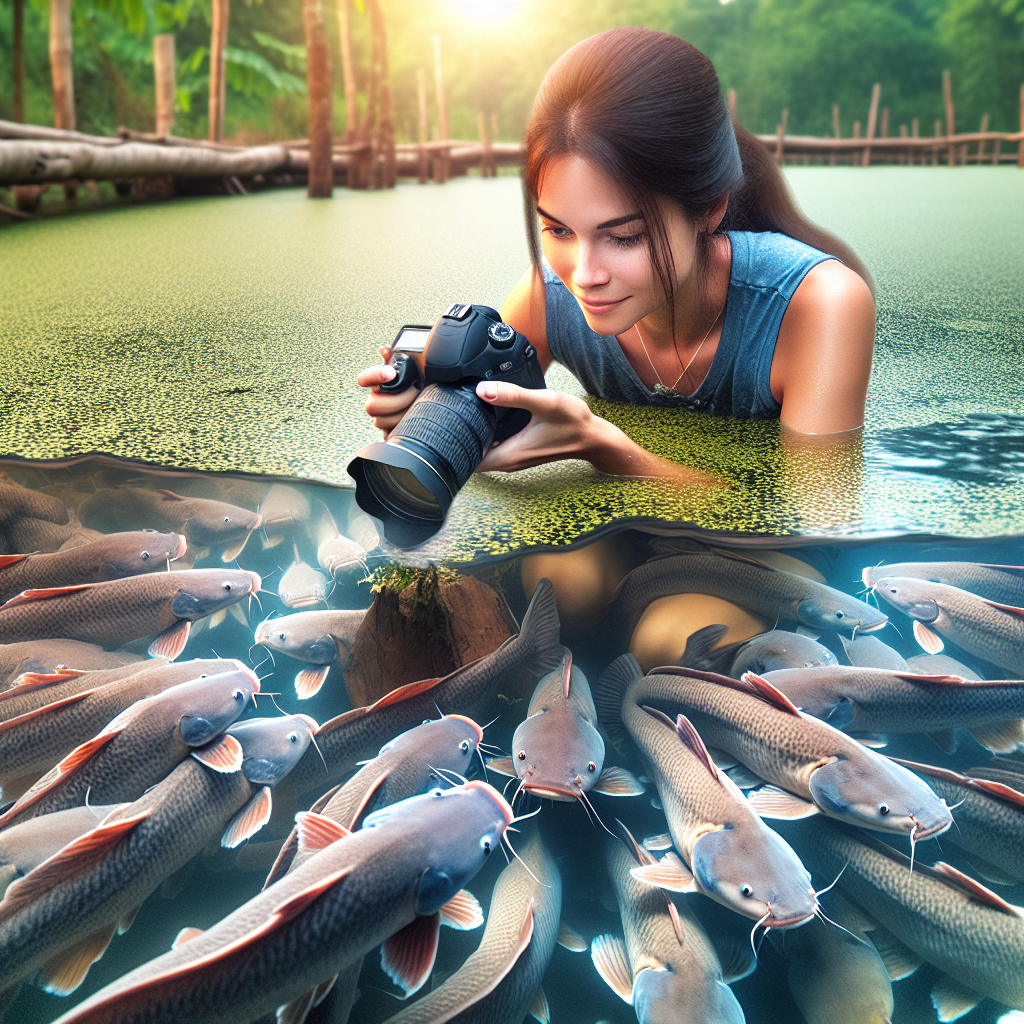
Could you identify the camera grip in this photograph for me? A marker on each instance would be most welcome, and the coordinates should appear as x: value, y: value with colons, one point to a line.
x: 407, y: 374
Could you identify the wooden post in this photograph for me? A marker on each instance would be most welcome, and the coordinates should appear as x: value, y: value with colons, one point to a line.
x: 60, y: 65
x: 854, y: 155
x: 885, y: 123
x: 836, y: 132
x: 386, y: 140
x: 319, y: 83
x: 487, y: 168
x: 935, y: 150
x: 997, y: 152
x: 982, y: 145
x: 421, y: 153
x: 218, y: 40
x: 1020, y: 147
x: 348, y: 73
x: 876, y: 92
x: 18, y: 102
x: 731, y: 100
x: 947, y: 99
x: 905, y: 155
x: 780, y: 134
x: 915, y: 133
x: 442, y: 110
x: 163, y: 73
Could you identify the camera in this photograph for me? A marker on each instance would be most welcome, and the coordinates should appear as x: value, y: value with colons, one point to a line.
x: 409, y: 481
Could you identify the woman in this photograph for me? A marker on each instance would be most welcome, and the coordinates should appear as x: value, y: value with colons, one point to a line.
x: 677, y: 270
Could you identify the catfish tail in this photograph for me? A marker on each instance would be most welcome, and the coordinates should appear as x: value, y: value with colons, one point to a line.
x: 609, y: 694
x: 701, y: 652
x: 541, y: 629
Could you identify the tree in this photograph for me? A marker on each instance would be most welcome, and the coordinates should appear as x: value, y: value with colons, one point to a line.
x: 321, y: 114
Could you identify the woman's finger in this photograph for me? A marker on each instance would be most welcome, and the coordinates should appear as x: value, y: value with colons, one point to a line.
x: 374, y: 375
x: 512, y: 396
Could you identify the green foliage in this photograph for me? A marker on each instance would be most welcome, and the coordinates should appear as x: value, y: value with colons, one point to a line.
x: 804, y: 55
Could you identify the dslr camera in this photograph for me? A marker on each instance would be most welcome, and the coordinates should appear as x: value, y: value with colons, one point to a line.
x: 409, y: 481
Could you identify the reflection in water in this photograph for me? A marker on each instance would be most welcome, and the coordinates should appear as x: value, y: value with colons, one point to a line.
x: 663, y: 598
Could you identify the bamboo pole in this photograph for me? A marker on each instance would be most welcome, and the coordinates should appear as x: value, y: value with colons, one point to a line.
x: 904, y: 157
x: 1020, y: 148
x: 938, y: 135
x: 441, y: 169
x: 947, y: 99
x: 60, y: 65
x: 218, y: 91
x: 780, y: 134
x: 348, y: 73
x: 163, y: 74
x: 836, y: 132
x: 885, y: 122
x: 321, y: 110
x: 855, y: 157
x: 385, y: 142
x: 423, y: 128
x: 731, y: 100
x: 18, y: 64
x: 876, y: 92
x: 915, y: 133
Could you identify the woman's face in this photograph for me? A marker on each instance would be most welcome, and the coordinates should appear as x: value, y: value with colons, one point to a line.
x: 598, y: 247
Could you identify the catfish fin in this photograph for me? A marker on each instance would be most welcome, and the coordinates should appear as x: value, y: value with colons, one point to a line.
x: 127, y: 920
x: 218, y: 617
x: 37, y: 680
x: 462, y: 912
x: 929, y: 641
x: 235, y: 611
x: 66, y: 971
x: 249, y: 820
x: 8, y: 560
x: 316, y: 832
x: 899, y: 959
x: 871, y: 740
x: 406, y: 692
x: 171, y: 642
x: 539, y: 1008
x: 973, y: 889
x: 566, y: 673
x: 309, y: 681
x: 46, y: 709
x: 609, y: 955
x: 668, y: 873
x: 297, y: 1010
x: 1001, y: 738
x: 702, y: 650
x: 760, y: 687
x: 44, y: 594
x: 659, y: 842
x: 1008, y: 608
x: 502, y: 766
x: 368, y: 796
x: 945, y: 738
x: 231, y: 553
x: 953, y: 1000
x: 407, y: 958
x: 222, y: 755
x: 691, y: 738
x: 322, y: 990
x: 772, y: 802
x: 618, y: 782
x: 992, y: 874
x: 609, y: 693
x: 185, y: 935
x: 842, y: 713
x: 570, y: 939
x: 743, y: 777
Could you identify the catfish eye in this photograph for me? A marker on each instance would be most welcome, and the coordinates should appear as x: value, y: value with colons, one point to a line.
x: 894, y: 590
x: 746, y: 891
x: 227, y: 519
x: 485, y: 845
x: 226, y: 586
x: 280, y: 636
x: 144, y: 556
x: 840, y: 615
x: 464, y: 746
x: 238, y: 695
x: 591, y: 767
x: 293, y: 737
x: 521, y: 755
x: 883, y: 808
x: 426, y: 721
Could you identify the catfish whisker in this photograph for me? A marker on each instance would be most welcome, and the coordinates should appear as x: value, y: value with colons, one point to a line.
x: 523, y: 817
x: 820, y: 913
x: 507, y: 784
x: 596, y: 815
x: 753, y: 931
x: 894, y: 626
x: 483, y: 763
x: 913, y: 845
x: 445, y: 772
x: 491, y: 722
x: 276, y: 705
x: 827, y: 887
x: 505, y: 837
x: 312, y: 739
x: 490, y: 748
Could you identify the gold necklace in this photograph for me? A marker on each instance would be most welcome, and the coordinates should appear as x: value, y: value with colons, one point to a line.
x: 661, y: 388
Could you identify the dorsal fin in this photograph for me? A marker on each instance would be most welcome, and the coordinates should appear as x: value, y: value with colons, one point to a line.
x: 29, y: 681
x: 367, y: 797
x: 396, y: 696
x: 636, y: 851
x: 75, y: 859
x: 974, y: 889
x: 316, y: 832
x: 6, y: 560
x: 912, y: 677
x: 47, y: 592
x: 760, y: 687
x: 566, y: 673
x: 689, y: 735
x: 751, y: 684
x: 998, y: 790
x: 1017, y: 570
x: 166, y: 493
x: 57, y: 705
x: 743, y: 558
x: 1008, y: 608
x: 609, y: 694
x: 659, y: 716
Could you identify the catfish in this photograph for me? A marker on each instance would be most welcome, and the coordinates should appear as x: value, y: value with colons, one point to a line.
x: 48, y: 655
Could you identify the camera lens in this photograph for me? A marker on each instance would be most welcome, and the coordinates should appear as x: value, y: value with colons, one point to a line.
x: 409, y: 481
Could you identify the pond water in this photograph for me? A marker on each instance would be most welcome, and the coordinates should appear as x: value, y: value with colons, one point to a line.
x: 225, y: 335
x: 113, y: 496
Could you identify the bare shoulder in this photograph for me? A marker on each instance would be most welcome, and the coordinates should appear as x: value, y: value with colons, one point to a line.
x: 526, y: 311
x: 822, y: 360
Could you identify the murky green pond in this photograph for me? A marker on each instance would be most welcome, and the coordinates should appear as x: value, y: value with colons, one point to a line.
x: 225, y: 335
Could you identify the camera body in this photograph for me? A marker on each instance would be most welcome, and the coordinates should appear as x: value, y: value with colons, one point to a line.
x: 409, y: 481
x: 468, y: 344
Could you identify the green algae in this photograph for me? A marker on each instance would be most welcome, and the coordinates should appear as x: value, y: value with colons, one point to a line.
x: 224, y: 335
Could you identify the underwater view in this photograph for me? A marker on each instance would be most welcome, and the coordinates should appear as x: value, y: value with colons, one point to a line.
x: 208, y: 680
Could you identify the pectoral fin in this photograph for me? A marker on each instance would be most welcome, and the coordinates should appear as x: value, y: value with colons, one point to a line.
x: 66, y: 971
x: 309, y: 681
x: 668, y: 873
x: 609, y: 955
x: 539, y: 1008
x: 659, y: 842
x: 222, y: 755
x: 316, y: 832
x: 618, y: 782
x: 462, y: 912
x: 571, y: 939
x: 502, y: 766
x: 1001, y: 738
x: 772, y: 802
x: 248, y: 821
x: 952, y: 1000
x: 929, y: 641
x: 171, y: 642
x: 408, y: 957
x: 899, y: 959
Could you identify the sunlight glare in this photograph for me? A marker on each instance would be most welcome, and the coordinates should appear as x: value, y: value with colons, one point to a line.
x: 487, y: 11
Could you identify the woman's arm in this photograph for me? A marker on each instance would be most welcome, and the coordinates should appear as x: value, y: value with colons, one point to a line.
x: 822, y: 360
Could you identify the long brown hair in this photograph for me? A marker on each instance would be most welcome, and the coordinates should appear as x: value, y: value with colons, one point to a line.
x: 647, y: 108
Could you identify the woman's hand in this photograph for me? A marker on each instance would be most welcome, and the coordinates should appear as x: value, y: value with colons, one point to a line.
x: 385, y: 409
x: 563, y: 427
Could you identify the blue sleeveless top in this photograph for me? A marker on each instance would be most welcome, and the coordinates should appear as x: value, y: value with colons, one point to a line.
x: 767, y: 267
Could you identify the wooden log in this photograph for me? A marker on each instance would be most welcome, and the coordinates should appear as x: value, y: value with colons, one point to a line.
x: 947, y: 99
x: 27, y: 161
x: 422, y: 156
x: 18, y: 62
x: 164, y: 81
x: 876, y: 92
x: 321, y: 110
x: 441, y: 169
x: 348, y: 74
x: 218, y: 88
x: 731, y: 100
x: 780, y: 134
